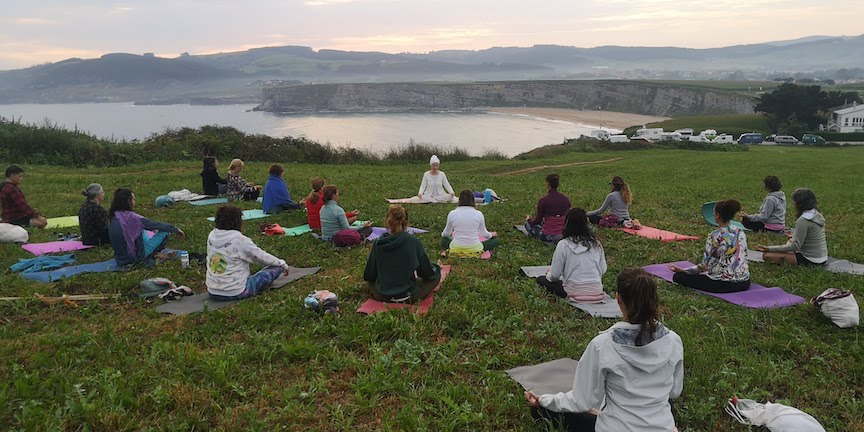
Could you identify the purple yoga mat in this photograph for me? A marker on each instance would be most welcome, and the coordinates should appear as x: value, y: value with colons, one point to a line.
x: 756, y: 297
x: 53, y: 247
x: 378, y: 231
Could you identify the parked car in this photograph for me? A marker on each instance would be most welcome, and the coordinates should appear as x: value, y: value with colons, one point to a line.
x: 723, y: 139
x: 785, y: 140
x: 813, y: 139
x: 751, y: 138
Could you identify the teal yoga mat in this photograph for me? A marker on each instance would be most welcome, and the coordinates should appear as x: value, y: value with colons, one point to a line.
x: 209, y: 201
x: 248, y: 215
x: 708, y: 215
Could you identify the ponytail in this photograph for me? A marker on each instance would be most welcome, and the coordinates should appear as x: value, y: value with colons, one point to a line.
x: 638, y: 292
x: 620, y: 186
x: 317, y: 184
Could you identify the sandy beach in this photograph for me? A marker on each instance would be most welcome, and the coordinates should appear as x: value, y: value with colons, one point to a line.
x: 607, y: 119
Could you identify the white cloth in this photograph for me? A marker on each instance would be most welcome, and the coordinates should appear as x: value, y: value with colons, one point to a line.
x: 636, y: 382
x: 185, y: 195
x: 435, y: 188
x: 229, y: 254
x: 10, y: 233
x: 466, y: 226
x: 434, y: 160
x: 776, y: 417
x: 578, y: 266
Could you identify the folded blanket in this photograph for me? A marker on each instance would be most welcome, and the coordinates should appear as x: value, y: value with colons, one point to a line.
x: 42, y: 263
x: 55, y: 275
x: 185, y: 195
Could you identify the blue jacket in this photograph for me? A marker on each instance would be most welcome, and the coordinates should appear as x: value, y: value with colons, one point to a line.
x: 275, y: 193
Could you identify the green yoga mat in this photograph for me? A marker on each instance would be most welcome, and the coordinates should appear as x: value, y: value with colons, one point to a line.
x: 708, y: 215
x: 62, y: 222
x: 247, y: 215
x: 298, y: 230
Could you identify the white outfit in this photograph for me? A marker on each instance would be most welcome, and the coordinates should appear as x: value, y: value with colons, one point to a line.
x: 229, y: 254
x: 579, y: 268
x: 636, y: 382
x: 435, y: 188
x: 466, y: 226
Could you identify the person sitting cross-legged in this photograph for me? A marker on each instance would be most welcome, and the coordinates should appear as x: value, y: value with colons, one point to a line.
x: 548, y: 223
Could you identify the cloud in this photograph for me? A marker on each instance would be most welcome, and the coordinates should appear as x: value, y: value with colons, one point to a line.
x: 120, y: 10
x: 18, y: 55
x: 32, y: 21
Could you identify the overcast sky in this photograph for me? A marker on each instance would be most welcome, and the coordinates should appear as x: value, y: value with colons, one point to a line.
x: 38, y: 31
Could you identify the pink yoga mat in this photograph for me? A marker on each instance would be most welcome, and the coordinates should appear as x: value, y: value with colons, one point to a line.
x: 658, y: 234
x: 374, y: 306
x: 379, y: 231
x: 756, y: 297
x: 54, y: 247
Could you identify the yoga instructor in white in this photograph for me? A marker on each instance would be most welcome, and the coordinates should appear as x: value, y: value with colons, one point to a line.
x: 435, y: 188
x: 627, y: 374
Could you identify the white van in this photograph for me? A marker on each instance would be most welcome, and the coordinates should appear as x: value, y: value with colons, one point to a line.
x: 651, y: 134
x: 724, y: 139
x: 686, y: 133
x: 619, y: 138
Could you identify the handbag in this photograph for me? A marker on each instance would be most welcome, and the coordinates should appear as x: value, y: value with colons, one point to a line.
x: 839, y: 306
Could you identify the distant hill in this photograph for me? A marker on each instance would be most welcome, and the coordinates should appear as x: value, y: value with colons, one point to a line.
x: 240, y: 76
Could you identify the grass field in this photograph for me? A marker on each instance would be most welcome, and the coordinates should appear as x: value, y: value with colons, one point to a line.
x: 267, y: 364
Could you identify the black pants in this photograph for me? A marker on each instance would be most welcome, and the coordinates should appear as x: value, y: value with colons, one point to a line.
x: 704, y: 283
x: 251, y: 195
x: 555, y: 288
x: 285, y: 207
x: 571, y: 422
x: 754, y: 225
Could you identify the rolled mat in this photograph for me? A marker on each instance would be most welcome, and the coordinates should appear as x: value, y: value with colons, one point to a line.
x: 833, y: 265
x: 552, y: 377
x: 658, y: 234
x: 55, y: 275
x: 54, y: 247
x: 606, y: 308
x: 209, y: 201
x: 202, y: 301
x: 247, y: 215
x: 708, y: 215
x: 62, y: 222
x: 757, y: 296
x: 374, y: 306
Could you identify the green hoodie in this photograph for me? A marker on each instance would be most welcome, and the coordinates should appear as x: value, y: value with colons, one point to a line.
x: 393, y: 261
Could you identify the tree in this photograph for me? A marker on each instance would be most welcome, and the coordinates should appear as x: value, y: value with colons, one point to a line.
x: 792, y: 104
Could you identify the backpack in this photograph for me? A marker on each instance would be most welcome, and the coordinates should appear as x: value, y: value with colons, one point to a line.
x: 609, y: 221
x: 347, y: 237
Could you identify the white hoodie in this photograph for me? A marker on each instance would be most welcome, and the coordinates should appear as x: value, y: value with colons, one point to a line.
x: 573, y: 263
x: 229, y: 254
x: 636, y: 382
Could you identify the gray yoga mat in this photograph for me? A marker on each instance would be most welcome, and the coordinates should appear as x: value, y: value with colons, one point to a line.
x: 552, y: 377
x: 607, y: 309
x: 833, y: 265
x: 199, y: 302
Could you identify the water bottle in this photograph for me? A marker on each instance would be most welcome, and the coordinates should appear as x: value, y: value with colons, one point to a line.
x: 487, y: 196
x: 184, y: 259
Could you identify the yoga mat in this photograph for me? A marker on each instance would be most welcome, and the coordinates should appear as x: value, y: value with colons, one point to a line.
x: 757, y: 296
x: 298, y: 230
x: 55, y: 275
x: 416, y: 200
x: 708, y: 215
x: 521, y: 228
x: 658, y: 234
x: 200, y: 302
x: 374, y: 306
x: 209, y: 201
x: 62, y: 222
x: 833, y: 265
x: 247, y: 215
x: 378, y: 232
x: 552, y: 377
x: 54, y: 247
x: 607, y: 308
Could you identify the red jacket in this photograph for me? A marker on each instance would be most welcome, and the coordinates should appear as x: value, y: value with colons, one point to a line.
x: 13, y: 204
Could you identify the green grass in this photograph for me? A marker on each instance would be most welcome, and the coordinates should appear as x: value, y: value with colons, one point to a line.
x: 732, y: 124
x: 267, y: 364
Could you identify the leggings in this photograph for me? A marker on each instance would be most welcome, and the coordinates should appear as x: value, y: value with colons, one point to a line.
x: 702, y: 282
x: 755, y: 226
x: 570, y: 422
x: 555, y: 288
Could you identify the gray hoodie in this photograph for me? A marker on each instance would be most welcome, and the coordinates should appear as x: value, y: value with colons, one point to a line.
x: 772, y: 210
x: 808, y: 238
x: 636, y: 382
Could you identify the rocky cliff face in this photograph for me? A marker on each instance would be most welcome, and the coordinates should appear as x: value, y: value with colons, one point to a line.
x: 624, y: 96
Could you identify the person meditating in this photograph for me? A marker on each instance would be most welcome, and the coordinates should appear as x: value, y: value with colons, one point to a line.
x: 772, y: 212
x: 807, y: 246
x: 13, y: 204
x: 229, y: 254
x: 128, y: 232
x: 92, y: 217
x: 617, y: 202
x: 398, y: 269
x: 465, y: 233
x: 336, y: 227
x: 277, y: 198
x: 627, y: 374
x: 578, y: 263
x: 548, y: 224
x: 435, y: 188
x: 238, y: 188
x: 211, y: 183
x: 724, y: 267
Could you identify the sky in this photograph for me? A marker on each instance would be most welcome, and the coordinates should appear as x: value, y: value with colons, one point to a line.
x: 39, y: 31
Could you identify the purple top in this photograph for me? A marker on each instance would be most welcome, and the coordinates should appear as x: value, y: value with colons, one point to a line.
x: 551, y: 211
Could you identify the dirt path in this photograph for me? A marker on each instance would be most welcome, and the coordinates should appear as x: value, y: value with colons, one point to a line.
x: 543, y: 167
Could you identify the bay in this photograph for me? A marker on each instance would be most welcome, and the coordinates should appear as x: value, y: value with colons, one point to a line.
x: 475, y: 132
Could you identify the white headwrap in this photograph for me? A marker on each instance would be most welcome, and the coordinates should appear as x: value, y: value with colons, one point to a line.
x: 434, y: 160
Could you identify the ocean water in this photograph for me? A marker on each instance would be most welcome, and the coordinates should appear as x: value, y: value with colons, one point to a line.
x: 476, y: 132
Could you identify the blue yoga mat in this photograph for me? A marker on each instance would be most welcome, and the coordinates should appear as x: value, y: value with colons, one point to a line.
x: 247, y: 215
x: 55, y: 275
x: 209, y: 201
